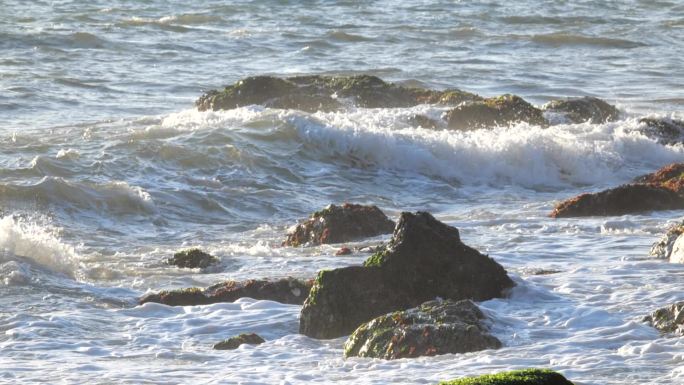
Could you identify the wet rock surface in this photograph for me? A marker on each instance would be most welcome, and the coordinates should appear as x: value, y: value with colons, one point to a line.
x: 669, y: 319
x: 516, y: 377
x: 500, y: 111
x: 324, y: 93
x: 585, y: 109
x: 666, y: 131
x: 664, y: 247
x: 192, y: 259
x: 235, y: 342
x: 433, y: 328
x: 661, y: 190
x: 338, y: 224
x: 286, y: 290
x: 425, y: 259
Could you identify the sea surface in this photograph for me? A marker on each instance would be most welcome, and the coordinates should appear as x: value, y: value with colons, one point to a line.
x: 107, y: 169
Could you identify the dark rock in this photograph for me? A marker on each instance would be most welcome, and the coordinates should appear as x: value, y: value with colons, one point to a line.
x: 337, y: 224
x: 669, y: 319
x: 666, y: 131
x: 425, y: 259
x: 661, y: 190
x: 579, y: 110
x: 235, y: 342
x: 286, y: 290
x: 422, y: 121
x: 433, y: 328
x: 500, y: 111
x: 326, y: 93
x: 192, y: 259
x: 625, y: 199
x: 516, y: 377
x: 344, y: 251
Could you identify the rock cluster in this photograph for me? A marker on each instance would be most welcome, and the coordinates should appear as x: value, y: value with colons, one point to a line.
x: 669, y: 319
x: 425, y: 259
x: 192, y: 259
x: 286, y: 290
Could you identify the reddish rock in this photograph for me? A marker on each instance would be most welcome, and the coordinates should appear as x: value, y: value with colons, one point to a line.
x: 337, y: 224
x: 344, y: 251
x: 661, y: 190
x: 286, y: 290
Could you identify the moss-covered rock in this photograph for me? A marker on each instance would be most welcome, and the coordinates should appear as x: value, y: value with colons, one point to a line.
x: 425, y: 259
x: 516, y: 377
x: 192, y: 259
x: 661, y: 190
x: 433, y: 328
x: 500, y: 111
x: 579, y: 110
x: 286, y: 290
x: 666, y: 131
x: 669, y: 319
x: 235, y: 342
x: 337, y: 224
x: 324, y: 93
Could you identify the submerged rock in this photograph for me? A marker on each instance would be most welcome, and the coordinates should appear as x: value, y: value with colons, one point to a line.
x: 425, y: 259
x: 499, y: 111
x: 433, y: 328
x: 337, y: 224
x: 669, y: 319
x: 324, y: 93
x: 664, y: 247
x: 192, y: 259
x: 661, y: 190
x: 666, y: 131
x: 235, y: 342
x: 344, y: 251
x: 579, y: 110
x: 286, y: 290
x: 516, y: 377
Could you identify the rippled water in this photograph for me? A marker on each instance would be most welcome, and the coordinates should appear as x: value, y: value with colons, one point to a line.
x: 106, y: 169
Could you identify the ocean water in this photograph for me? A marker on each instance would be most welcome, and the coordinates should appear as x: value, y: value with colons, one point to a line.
x: 106, y: 169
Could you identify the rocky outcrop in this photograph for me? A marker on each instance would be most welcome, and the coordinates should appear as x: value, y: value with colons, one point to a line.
x: 425, y: 259
x: 286, y: 290
x: 337, y: 224
x: 661, y: 190
x: 235, y: 342
x: 324, y: 93
x: 665, y: 246
x: 192, y: 259
x: 666, y: 131
x: 500, y: 111
x: 669, y: 319
x: 516, y: 377
x: 433, y: 328
x: 579, y: 110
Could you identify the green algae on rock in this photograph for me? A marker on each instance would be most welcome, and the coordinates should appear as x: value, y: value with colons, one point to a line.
x: 499, y: 111
x: 325, y: 93
x: 235, y: 342
x: 192, y: 259
x: 579, y: 110
x: 338, y: 224
x: 668, y: 319
x: 515, y: 377
x: 433, y: 328
x: 285, y: 290
x: 425, y: 259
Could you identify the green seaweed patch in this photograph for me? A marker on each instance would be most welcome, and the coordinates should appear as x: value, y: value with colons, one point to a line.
x: 317, y: 284
x: 516, y: 377
x: 377, y: 259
